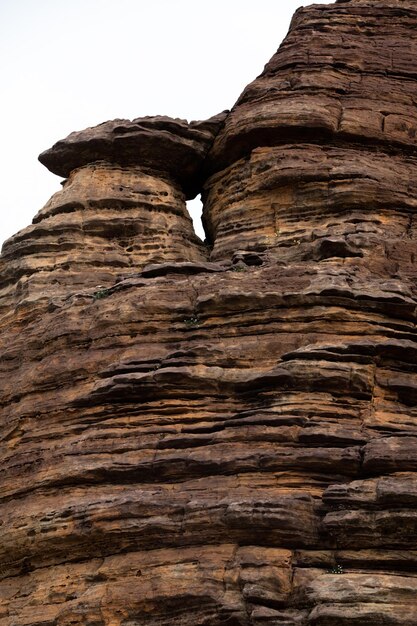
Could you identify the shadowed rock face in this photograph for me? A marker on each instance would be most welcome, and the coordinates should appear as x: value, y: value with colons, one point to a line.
x: 224, y: 434
x: 173, y: 147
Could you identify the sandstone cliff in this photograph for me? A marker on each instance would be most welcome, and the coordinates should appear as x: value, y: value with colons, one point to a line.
x: 224, y: 433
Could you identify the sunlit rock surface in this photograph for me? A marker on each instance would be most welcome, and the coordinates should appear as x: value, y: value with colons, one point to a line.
x: 224, y: 433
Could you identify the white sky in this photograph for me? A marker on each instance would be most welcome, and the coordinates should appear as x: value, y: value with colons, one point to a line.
x: 69, y: 64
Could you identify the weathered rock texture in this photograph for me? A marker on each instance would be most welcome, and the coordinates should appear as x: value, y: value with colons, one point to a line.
x: 224, y: 434
x: 121, y: 208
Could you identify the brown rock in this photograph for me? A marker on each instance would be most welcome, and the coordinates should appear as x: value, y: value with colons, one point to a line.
x: 173, y: 147
x: 225, y: 434
x: 115, y: 220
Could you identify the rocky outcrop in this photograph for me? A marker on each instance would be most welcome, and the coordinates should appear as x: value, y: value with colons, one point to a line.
x: 174, y: 148
x: 329, y: 127
x: 121, y: 208
x: 224, y: 434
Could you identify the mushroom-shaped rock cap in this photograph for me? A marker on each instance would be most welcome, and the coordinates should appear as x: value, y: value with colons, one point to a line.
x: 174, y: 147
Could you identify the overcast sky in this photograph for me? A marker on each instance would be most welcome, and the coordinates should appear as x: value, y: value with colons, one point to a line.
x: 69, y: 64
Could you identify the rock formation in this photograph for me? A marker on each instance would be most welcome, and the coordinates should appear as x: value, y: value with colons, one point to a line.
x: 224, y: 434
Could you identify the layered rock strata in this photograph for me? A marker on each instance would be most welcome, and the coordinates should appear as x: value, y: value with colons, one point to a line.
x: 122, y: 207
x: 328, y: 127
x: 225, y: 441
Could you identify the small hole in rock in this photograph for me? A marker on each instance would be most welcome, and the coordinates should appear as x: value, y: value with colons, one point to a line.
x: 195, y: 209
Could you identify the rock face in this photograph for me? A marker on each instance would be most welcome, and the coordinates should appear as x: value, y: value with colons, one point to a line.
x: 174, y: 148
x: 121, y: 208
x: 224, y: 434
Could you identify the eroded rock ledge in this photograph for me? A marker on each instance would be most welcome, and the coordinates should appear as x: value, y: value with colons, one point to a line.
x: 172, y: 147
x: 121, y: 208
x: 224, y: 434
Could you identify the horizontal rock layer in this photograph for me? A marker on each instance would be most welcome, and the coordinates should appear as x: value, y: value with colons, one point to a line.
x: 328, y: 127
x: 179, y: 418
x: 112, y: 219
x: 161, y: 143
x: 307, y: 202
x: 223, y: 434
x: 344, y: 73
